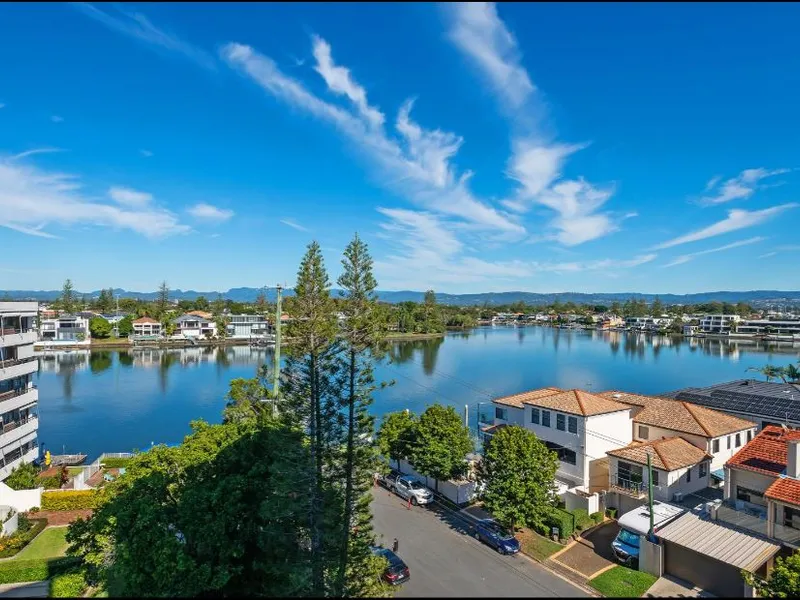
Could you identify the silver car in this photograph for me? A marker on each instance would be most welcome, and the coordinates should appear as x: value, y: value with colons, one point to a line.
x: 409, y: 488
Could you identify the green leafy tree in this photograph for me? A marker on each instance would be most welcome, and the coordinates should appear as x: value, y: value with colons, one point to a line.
x: 769, y: 372
x: 442, y: 443
x: 657, y: 308
x: 162, y: 301
x: 125, y: 326
x: 397, y: 435
x: 68, y: 301
x: 616, y: 308
x: 217, y: 306
x: 201, y: 303
x: 518, y: 471
x: 247, y: 398
x: 100, y: 328
x: 783, y: 580
x: 23, y: 477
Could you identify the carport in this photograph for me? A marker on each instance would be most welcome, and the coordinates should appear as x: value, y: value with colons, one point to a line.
x: 710, y: 554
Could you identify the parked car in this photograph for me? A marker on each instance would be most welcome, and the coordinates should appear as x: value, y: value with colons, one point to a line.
x: 491, y: 533
x: 388, y: 481
x: 636, y: 523
x: 397, y: 572
x: 409, y: 488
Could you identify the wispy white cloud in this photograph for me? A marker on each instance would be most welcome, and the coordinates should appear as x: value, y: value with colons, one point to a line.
x: 57, y: 119
x: 139, y: 27
x: 789, y: 248
x: 737, y: 219
x: 684, y: 258
x: 537, y: 161
x: 215, y: 235
x: 740, y: 187
x: 35, y: 151
x: 32, y: 198
x: 129, y: 197
x: 209, y: 212
x: 293, y: 224
x: 146, y: 153
x: 594, y: 265
x: 415, y: 163
x: 767, y: 254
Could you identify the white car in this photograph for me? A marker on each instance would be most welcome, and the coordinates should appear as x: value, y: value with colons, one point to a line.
x: 408, y: 487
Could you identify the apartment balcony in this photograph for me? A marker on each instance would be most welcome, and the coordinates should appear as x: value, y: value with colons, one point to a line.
x: 11, y: 432
x: 8, y: 465
x: 788, y: 535
x: 635, y: 489
x: 14, y: 399
x: 9, y: 369
x: 17, y: 337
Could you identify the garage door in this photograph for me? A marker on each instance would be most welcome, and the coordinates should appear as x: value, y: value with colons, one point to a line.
x: 719, y: 578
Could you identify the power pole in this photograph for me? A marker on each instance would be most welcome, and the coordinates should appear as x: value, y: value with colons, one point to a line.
x: 650, y: 533
x: 277, y: 365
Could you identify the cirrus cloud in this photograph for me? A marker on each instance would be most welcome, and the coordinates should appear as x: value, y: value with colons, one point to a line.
x: 209, y: 212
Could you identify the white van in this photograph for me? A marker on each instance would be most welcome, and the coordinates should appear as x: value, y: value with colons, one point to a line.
x: 637, y: 522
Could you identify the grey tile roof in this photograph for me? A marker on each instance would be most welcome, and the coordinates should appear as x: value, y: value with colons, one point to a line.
x: 777, y: 400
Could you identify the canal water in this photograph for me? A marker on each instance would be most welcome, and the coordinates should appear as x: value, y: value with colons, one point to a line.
x: 117, y: 401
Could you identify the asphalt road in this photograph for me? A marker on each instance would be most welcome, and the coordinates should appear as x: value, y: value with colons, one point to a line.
x: 444, y: 560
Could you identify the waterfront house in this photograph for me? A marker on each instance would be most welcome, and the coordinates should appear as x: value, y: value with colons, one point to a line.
x: 145, y: 327
x: 202, y: 314
x: 718, y: 434
x: 19, y: 397
x: 64, y: 330
x: 610, y: 321
x: 578, y: 426
x: 719, y: 324
x: 194, y: 326
x: 248, y: 327
x: 679, y: 468
x: 788, y: 329
x: 764, y: 402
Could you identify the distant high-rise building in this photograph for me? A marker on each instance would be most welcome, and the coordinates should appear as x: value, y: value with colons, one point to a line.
x: 19, y: 421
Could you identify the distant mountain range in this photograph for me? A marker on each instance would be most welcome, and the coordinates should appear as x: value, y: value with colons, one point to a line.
x: 245, y: 294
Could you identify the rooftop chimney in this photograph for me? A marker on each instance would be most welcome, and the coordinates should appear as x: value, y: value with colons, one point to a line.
x: 793, y: 459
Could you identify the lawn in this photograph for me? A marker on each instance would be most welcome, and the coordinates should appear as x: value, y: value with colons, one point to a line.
x: 48, y: 544
x: 537, y: 546
x: 622, y: 582
x: 74, y: 470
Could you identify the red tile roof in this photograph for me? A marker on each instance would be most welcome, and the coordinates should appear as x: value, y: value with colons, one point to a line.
x: 576, y: 402
x: 765, y: 453
x: 667, y: 454
x: 143, y: 320
x: 784, y: 490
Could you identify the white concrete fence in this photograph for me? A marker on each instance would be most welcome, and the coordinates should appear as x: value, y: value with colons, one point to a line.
x: 460, y: 492
x: 20, y: 500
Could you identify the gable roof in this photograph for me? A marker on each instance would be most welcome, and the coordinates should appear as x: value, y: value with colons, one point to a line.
x: 201, y: 313
x: 784, y: 489
x: 667, y: 454
x: 576, y: 402
x: 191, y: 317
x: 143, y: 320
x: 680, y: 416
x: 765, y: 453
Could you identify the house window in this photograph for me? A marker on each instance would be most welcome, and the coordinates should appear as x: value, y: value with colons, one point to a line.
x: 572, y: 424
x: 791, y: 517
x: 738, y: 439
x: 729, y: 442
x: 688, y: 474
x: 703, y: 469
x: 535, y: 416
x: 748, y: 495
x: 715, y: 446
x: 655, y: 477
x: 500, y: 413
x: 565, y: 455
x: 749, y: 434
x: 644, y: 432
x: 546, y: 418
x: 561, y: 422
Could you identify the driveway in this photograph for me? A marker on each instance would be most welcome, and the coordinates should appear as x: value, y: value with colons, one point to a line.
x: 445, y: 561
x: 592, y: 552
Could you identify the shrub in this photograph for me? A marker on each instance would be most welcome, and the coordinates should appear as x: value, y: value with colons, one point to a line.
x: 565, y: 521
x: 14, y: 571
x: 611, y: 513
x: 26, y: 531
x: 597, y: 517
x: 116, y: 463
x: 50, y: 483
x: 582, y: 520
x: 22, y: 478
x: 72, y: 500
x: 68, y: 585
x: 33, y: 509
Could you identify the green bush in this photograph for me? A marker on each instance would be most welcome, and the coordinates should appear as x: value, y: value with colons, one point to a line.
x: 23, y: 477
x: 611, y: 513
x: 15, y: 571
x: 597, y: 517
x: 50, y: 483
x: 73, y: 500
x: 26, y: 531
x: 565, y: 521
x: 116, y: 463
x: 582, y: 520
x: 68, y: 585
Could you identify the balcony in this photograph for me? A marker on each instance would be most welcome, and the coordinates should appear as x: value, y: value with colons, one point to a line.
x: 18, y: 398
x: 15, y: 430
x: 745, y: 515
x: 788, y: 535
x: 17, y: 337
x: 10, y: 369
x: 636, y: 489
x: 10, y: 462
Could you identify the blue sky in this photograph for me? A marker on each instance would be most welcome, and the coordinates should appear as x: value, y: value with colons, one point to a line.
x: 597, y: 148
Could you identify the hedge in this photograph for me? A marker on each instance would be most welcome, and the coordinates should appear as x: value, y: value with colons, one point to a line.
x: 70, y: 500
x: 582, y: 520
x: 15, y: 571
x: 28, y: 529
x: 68, y: 585
x: 597, y: 517
x: 116, y: 463
x: 565, y: 521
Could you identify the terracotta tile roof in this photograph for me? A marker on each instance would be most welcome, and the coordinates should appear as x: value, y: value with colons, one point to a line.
x: 668, y: 454
x: 518, y: 399
x: 784, y: 489
x: 680, y: 416
x: 144, y: 320
x: 576, y: 402
x: 201, y: 313
x: 765, y: 453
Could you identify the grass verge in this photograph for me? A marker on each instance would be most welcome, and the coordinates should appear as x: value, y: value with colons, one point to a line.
x: 68, y: 585
x: 51, y: 543
x: 537, y: 546
x: 622, y: 582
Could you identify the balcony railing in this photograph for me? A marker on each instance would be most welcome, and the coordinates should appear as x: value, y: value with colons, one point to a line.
x: 14, y: 393
x: 745, y: 516
x: 14, y: 331
x: 14, y: 424
x: 636, y: 489
x: 5, y: 364
x: 786, y: 534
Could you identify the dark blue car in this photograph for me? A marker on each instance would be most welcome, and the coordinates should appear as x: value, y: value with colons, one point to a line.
x: 491, y: 533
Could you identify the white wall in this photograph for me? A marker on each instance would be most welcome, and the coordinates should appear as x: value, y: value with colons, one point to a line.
x: 606, y: 432
x: 702, y: 442
x: 515, y: 416
x: 668, y: 482
x: 748, y: 479
x: 20, y: 500
x: 459, y: 492
x: 721, y: 457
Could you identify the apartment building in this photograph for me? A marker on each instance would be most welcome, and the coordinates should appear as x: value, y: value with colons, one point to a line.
x: 19, y: 421
x: 247, y: 327
x: 769, y: 327
x: 191, y: 325
x: 719, y: 324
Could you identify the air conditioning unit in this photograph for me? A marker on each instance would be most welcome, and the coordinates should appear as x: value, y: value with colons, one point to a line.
x: 677, y: 497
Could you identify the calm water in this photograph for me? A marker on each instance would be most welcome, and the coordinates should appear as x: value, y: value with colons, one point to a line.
x: 115, y: 401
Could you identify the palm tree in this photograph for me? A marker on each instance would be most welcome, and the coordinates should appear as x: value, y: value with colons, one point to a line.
x: 769, y: 371
x: 791, y: 373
